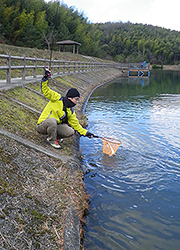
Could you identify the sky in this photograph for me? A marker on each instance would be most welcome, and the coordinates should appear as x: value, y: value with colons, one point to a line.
x: 162, y: 13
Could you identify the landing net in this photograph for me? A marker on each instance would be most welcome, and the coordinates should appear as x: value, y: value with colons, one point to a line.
x: 110, y: 145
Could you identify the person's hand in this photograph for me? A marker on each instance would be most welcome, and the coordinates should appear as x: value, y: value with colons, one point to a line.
x: 47, y: 74
x: 89, y: 135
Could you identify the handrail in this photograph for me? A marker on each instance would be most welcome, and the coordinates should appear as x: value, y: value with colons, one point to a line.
x: 61, y: 66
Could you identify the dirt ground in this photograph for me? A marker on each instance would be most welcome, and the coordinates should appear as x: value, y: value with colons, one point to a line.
x: 42, y: 193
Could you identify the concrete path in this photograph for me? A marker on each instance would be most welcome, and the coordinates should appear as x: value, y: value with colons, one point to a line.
x: 15, y: 82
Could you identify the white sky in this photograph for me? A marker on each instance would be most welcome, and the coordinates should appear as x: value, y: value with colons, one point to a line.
x: 163, y: 13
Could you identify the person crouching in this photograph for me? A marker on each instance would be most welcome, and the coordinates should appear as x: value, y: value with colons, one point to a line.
x: 58, y: 119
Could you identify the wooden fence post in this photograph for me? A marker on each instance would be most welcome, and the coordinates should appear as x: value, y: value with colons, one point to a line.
x: 52, y: 67
x: 74, y: 67
x: 24, y: 68
x: 8, y: 74
x: 69, y: 68
x: 44, y: 64
x: 58, y: 67
x: 78, y: 66
x: 35, y: 67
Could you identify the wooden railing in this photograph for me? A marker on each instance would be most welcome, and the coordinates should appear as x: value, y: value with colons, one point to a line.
x: 33, y: 64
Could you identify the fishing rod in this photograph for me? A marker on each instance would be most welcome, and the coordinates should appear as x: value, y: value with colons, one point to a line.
x: 53, y: 32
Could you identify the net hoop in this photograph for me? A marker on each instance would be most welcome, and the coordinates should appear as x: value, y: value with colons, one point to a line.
x: 116, y: 141
x: 110, y: 145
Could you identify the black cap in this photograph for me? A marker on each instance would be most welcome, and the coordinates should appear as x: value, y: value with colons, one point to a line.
x: 73, y: 93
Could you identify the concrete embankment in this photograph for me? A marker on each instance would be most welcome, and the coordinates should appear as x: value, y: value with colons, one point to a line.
x: 42, y: 193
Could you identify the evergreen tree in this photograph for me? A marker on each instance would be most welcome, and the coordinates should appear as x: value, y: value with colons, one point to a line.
x: 36, y: 23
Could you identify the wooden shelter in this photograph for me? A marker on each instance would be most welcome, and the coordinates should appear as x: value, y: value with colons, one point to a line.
x: 69, y: 42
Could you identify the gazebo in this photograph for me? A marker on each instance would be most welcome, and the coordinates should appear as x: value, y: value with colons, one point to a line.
x: 69, y: 42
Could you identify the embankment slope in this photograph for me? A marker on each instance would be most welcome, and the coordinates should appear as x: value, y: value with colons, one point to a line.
x: 42, y: 193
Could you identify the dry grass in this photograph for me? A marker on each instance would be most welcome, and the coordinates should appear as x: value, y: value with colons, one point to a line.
x: 36, y: 190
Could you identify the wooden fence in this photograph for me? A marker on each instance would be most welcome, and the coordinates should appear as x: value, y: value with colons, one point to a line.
x: 60, y: 66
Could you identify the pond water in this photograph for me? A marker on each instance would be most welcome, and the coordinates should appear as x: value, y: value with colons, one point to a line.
x: 135, y: 194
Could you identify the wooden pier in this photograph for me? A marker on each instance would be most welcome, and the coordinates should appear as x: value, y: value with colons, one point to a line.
x: 138, y: 72
x: 134, y: 69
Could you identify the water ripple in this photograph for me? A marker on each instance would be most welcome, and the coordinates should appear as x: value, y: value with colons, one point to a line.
x: 134, y: 194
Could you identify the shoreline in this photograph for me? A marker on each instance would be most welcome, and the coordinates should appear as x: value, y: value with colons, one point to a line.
x: 42, y: 189
x: 169, y: 67
x: 42, y: 193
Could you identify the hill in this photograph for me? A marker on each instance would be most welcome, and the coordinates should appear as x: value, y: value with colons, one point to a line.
x: 38, y: 24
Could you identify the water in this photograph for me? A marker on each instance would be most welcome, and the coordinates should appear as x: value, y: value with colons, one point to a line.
x: 135, y: 194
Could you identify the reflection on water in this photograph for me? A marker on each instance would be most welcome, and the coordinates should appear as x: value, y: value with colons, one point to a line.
x: 135, y: 194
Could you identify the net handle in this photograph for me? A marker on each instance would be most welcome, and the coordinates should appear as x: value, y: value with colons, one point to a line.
x: 96, y: 136
x: 105, y: 138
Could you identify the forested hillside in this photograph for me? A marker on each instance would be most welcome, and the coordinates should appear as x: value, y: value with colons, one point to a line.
x: 36, y: 23
x: 134, y: 42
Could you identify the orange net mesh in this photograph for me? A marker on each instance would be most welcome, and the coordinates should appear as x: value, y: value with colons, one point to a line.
x: 110, y: 145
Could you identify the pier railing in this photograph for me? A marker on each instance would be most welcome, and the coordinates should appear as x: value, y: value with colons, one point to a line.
x: 30, y: 66
x: 133, y: 66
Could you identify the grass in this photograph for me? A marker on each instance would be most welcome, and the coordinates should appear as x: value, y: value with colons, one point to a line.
x: 36, y: 190
x: 20, y: 120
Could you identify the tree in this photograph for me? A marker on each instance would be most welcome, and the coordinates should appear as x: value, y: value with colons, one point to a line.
x: 42, y: 25
x: 33, y: 22
x: 24, y: 20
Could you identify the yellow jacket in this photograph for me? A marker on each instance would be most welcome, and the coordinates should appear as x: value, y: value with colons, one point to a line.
x: 54, y: 109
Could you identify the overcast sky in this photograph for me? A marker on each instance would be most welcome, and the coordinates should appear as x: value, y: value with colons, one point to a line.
x: 163, y: 13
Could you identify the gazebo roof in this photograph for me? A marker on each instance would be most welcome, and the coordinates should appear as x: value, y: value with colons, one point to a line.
x: 68, y: 42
